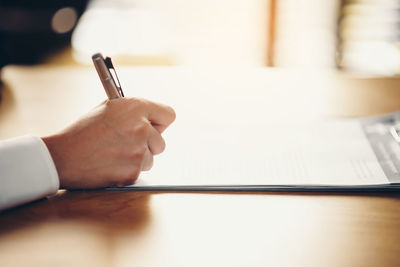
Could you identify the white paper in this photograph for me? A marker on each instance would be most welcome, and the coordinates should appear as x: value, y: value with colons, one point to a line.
x: 322, y: 153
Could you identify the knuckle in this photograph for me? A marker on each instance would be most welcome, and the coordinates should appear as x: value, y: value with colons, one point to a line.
x: 138, y: 102
x: 141, y: 128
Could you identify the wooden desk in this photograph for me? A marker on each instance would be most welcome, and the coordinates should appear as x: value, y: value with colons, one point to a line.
x: 106, y: 228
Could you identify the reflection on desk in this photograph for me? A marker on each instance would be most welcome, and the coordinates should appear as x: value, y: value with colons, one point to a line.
x: 102, y: 228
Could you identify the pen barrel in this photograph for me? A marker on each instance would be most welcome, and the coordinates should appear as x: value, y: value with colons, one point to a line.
x: 105, y: 77
x: 110, y: 88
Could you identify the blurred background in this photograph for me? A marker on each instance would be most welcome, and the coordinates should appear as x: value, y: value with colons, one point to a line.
x: 30, y: 30
x: 360, y: 37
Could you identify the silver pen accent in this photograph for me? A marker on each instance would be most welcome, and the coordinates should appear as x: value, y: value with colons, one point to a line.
x: 111, y: 86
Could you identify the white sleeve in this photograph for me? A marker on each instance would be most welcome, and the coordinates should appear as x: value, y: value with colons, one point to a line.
x: 27, y: 171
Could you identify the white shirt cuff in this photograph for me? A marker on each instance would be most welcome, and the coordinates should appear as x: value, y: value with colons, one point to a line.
x: 27, y: 171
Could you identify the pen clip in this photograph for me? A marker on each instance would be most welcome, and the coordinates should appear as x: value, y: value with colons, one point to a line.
x: 110, y: 67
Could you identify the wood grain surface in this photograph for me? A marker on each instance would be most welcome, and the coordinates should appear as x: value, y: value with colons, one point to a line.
x: 108, y: 228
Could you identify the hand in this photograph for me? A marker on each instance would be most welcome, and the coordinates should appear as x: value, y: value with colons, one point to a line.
x: 111, y: 145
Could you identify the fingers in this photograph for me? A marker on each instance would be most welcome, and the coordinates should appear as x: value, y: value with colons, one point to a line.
x: 156, y: 113
x: 155, y: 141
x: 141, y: 122
x: 147, y: 161
x: 160, y: 128
x: 160, y: 115
x: 155, y: 145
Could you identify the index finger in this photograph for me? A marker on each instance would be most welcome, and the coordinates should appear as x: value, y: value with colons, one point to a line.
x: 160, y: 114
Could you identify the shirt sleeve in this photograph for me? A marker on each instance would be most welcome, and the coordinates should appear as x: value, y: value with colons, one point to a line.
x: 27, y: 171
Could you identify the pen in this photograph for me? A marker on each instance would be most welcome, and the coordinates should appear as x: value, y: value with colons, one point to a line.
x: 110, y: 82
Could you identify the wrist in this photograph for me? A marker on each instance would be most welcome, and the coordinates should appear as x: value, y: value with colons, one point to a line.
x: 52, y: 145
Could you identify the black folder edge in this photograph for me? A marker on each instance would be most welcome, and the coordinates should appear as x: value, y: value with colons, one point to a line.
x: 265, y: 188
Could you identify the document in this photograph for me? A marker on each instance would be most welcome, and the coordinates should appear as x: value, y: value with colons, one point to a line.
x: 337, y: 154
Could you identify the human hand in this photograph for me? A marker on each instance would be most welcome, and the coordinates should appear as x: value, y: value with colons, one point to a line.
x: 111, y: 145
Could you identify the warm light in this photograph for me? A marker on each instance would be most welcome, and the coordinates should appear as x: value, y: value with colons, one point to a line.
x: 64, y: 20
x: 190, y: 32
